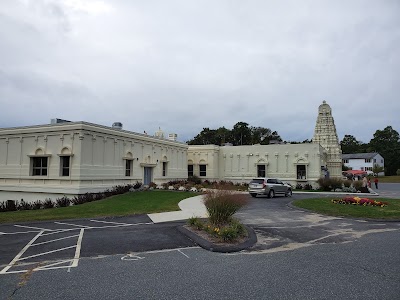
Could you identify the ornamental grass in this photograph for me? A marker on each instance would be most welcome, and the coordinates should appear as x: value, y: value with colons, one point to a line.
x: 222, y: 204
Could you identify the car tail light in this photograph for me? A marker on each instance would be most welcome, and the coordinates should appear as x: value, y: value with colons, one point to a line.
x: 264, y: 185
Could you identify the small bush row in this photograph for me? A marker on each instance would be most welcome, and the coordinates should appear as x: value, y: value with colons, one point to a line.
x: 334, y: 184
x: 65, y: 201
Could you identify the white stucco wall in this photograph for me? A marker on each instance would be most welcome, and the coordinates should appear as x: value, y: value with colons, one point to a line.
x: 97, y: 159
x: 239, y: 163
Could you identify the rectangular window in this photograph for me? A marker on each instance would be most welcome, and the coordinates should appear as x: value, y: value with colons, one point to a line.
x: 367, y: 160
x: 128, y: 167
x: 381, y: 161
x: 203, y: 170
x: 345, y: 161
x: 164, y: 168
x: 190, y: 170
x: 362, y: 168
x: 301, y: 172
x: 64, y: 165
x: 261, y: 171
x: 39, y: 166
x: 374, y: 160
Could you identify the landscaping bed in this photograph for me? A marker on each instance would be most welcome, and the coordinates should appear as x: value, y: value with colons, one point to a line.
x: 338, y: 207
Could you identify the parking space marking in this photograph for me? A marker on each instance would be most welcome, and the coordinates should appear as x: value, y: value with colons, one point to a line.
x: 180, y: 251
x: 16, y: 258
x: 20, y: 261
x: 47, y: 242
x: 69, y: 224
x: 59, y: 231
x: 31, y: 227
x: 78, y: 249
x: 116, y: 222
x: 48, y: 252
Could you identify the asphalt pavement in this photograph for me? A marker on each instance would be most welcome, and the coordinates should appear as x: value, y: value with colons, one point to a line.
x: 299, y: 255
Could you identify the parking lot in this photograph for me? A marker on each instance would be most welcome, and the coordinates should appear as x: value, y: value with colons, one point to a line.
x: 39, y: 246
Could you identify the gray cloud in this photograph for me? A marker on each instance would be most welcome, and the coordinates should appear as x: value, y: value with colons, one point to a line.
x: 185, y: 65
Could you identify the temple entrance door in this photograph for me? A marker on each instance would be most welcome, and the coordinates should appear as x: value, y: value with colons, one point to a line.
x: 148, y: 174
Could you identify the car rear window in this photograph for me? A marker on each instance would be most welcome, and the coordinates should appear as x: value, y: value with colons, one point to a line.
x: 259, y: 181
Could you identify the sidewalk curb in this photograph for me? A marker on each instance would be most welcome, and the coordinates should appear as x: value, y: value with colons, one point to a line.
x: 251, y: 240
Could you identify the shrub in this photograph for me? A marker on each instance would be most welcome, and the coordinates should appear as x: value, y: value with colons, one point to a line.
x: 137, y: 185
x: 222, y: 204
x: 336, y: 183
x: 357, y: 185
x: 347, y: 183
x: 63, y: 202
x: 299, y: 186
x: 8, y: 205
x: 24, y: 205
x: 308, y: 187
x: 48, y: 203
x: 194, y: 179
x: 239, y: 227
x: 196, y: 223
x: 37, y: 204
x: 324, y: 184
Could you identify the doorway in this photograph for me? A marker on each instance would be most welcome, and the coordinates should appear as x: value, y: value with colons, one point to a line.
x: 148, y: 174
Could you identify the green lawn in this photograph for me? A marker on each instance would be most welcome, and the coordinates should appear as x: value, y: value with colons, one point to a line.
x: 325, y: 206
x: 120, y: 205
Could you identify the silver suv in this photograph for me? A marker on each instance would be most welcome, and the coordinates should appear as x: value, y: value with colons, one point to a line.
x: 269, y: 187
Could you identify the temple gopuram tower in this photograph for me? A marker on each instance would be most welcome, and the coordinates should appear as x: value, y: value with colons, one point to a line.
x: 325, y: 135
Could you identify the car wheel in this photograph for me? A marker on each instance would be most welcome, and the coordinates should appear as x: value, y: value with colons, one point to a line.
x: 271, y: 194
x: 288, y: 193
x: 253, y: 195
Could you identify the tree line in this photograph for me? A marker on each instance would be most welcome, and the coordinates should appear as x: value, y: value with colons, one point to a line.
x: 240, y: 134
x: 386, y: 142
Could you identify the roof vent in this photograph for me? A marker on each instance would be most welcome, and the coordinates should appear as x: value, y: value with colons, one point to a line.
x: 58, y: 121
x: 117, y: 125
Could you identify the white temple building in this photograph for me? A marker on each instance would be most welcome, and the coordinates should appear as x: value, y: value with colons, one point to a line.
x: 71, y: 158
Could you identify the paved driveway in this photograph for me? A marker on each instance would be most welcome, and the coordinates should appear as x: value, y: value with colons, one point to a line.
x: 280, y: 227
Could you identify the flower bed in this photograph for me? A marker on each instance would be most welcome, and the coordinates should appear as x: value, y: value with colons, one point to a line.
x: 359, y: 201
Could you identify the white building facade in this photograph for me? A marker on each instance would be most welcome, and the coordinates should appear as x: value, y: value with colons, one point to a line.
x: 364, y: 161
x: 71, y: 158
x: 293, y: 163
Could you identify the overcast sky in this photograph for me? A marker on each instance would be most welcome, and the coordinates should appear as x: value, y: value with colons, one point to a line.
x: 185, y: 65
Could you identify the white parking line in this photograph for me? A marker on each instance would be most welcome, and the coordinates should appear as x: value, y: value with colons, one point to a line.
x: 120, y: 223
x: 63, y: 238
x: 61, y: 223
x: 180, y: 251
x: 16, y: 258
x: 48, y: 252
x: 31, y: 227
x: 59, y: 231
x: 78, y: 249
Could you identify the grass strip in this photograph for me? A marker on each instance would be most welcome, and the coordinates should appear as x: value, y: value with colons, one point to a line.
x: 121, y: 205
x: 325, y: 206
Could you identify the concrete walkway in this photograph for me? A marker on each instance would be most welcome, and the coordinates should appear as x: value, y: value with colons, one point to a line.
x: 190, y: 207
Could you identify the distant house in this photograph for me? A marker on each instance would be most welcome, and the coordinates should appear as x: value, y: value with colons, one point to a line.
x: 363, y: 161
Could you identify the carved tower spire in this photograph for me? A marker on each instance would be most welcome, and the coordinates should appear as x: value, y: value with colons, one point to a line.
x: 325, y: 135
